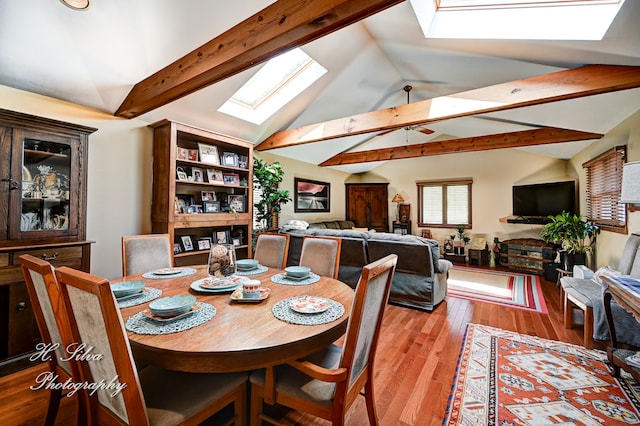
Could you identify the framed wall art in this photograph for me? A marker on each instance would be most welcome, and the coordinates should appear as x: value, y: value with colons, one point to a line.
x: 311, y: 196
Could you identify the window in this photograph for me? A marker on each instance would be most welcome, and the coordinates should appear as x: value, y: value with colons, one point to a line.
x: 280, y: 80
x: 516, y: 19
x: 604, y: 184
x: 444, y: 203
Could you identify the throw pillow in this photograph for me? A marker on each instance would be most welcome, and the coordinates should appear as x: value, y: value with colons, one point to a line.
x: 605, y: 271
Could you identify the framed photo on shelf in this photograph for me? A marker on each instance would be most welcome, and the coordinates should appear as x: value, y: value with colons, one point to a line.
x: 208, y: 154
x: 221, y: 237
x: 236, y: 202
x: 184, y: 201
x: 197, y: 174
x: 211, y: 206
x: 215, y: 176
x: 187, y: 244
x: 311, y: 195
x: 182, y: 153
x: 177, y: 249
x: 192, y: 154
x: 231, y: 179
x: 181, y: 174
x: 204, y: 243
x: 236, y: 241
x: 243, y: 161
x: 208, y: 195
x: 230, y: 159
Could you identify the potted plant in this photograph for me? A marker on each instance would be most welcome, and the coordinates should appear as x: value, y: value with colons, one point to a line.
x: 576, y: 237
x: 267, y: 177
x: 464, y: 240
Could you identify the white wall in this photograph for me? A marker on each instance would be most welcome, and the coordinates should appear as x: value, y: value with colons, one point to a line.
x: 119, y: 173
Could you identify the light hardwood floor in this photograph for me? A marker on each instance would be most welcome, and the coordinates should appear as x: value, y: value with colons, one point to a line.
x: 415, y: 363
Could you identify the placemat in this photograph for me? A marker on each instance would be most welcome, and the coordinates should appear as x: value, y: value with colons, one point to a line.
x: 282, y: 279
x: 260, y: 269
x: 142, y: 325
x: 147, y: 295
x: 283, y: 312
x: 184, y: 273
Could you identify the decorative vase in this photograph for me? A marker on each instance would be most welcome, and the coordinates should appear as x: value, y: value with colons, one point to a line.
x: 222, y: 260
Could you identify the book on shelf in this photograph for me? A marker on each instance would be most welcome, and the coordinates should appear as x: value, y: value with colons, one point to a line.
x: 633, y: 360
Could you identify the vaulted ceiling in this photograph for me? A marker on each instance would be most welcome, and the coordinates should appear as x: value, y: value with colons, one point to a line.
x: 95, y: 58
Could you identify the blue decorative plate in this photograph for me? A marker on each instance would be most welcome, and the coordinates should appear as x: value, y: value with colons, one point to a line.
x: 126, y: 288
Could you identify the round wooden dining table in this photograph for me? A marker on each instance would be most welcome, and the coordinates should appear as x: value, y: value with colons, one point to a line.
x: 241, y: 336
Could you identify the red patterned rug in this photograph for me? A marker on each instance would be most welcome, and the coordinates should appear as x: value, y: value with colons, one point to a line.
x: 504, y: 288
x: 506, y: 378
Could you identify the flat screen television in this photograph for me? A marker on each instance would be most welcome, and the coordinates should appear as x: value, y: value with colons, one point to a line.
x: 545, y: 199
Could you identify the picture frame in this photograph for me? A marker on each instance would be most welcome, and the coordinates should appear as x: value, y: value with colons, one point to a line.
x: 236, y: 241
x: 404, y: 213
x: 177, y: 248
x: 236, y: 202
x: 311, y: 196
x: 221, y: 236
x: 197, y: 174
x: 181, y: 174
x: 184, y: 201
x: 182, y: 153
x: 243, y: 161
x: 187, y: 243
x: 211, y: 206
x: 215, y: 176
x: 204, y: 243
x: 230, y: 159
x: 192, y: 154
x: 192, y: 209
x: 207, y: 196
x: 208, y: 154
x: 231, y: 179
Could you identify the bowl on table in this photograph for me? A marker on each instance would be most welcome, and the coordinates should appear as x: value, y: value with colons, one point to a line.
x: 168, y: 307
x: 297, y: 271
x: 247, y: 264
x: 127, y: 288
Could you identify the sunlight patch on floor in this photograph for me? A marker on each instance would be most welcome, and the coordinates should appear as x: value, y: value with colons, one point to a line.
x: 484, y: 288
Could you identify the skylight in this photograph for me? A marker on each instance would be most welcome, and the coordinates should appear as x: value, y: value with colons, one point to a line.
x: 516, y: 19
x: 280, y: 80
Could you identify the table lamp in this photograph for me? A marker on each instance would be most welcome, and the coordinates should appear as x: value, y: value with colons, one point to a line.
x: 630, y: 193
x: 397, y: 199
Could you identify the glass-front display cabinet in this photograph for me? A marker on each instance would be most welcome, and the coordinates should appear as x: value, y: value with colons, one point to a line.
x: 43, y: 174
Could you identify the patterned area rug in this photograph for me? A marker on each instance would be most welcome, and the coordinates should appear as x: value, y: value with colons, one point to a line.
x: 499, y: 287
x: 506, y: 378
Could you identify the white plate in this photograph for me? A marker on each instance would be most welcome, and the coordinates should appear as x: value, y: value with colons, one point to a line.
x: 309, y: 304
x: 168, y: 271
x: 211, y: 288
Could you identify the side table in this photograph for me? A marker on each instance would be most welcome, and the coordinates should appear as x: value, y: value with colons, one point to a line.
x: 456, y: 258
x: 402, y: 228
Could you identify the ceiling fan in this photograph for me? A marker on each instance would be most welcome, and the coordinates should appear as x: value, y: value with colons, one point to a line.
x: 417, y: 128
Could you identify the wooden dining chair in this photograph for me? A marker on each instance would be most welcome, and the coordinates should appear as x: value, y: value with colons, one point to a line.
x: 326, y: 383
x: 321, y: 254
x: 143, y: 253
x: 42, y: 286
x: 151, y: 396
x: 272, y: 249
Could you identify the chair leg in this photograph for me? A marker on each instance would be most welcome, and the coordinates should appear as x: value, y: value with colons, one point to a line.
x: 52, y: 410
x: 568, y: 312
x: 370, y: 401
x: 255, y: 405
x: 588, y: 327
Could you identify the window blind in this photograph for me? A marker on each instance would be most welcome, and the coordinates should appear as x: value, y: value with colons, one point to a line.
x: 604, y: 184
x: 445, y: 203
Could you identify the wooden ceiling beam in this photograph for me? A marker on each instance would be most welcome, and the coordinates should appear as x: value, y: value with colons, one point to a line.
x: 563, y: 85
x: 546, y: 135
x: 283, y: 25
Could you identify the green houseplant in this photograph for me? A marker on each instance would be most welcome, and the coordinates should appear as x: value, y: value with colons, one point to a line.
x: 464, y: 240
x: 267, y: 178
x: 576, y: 236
